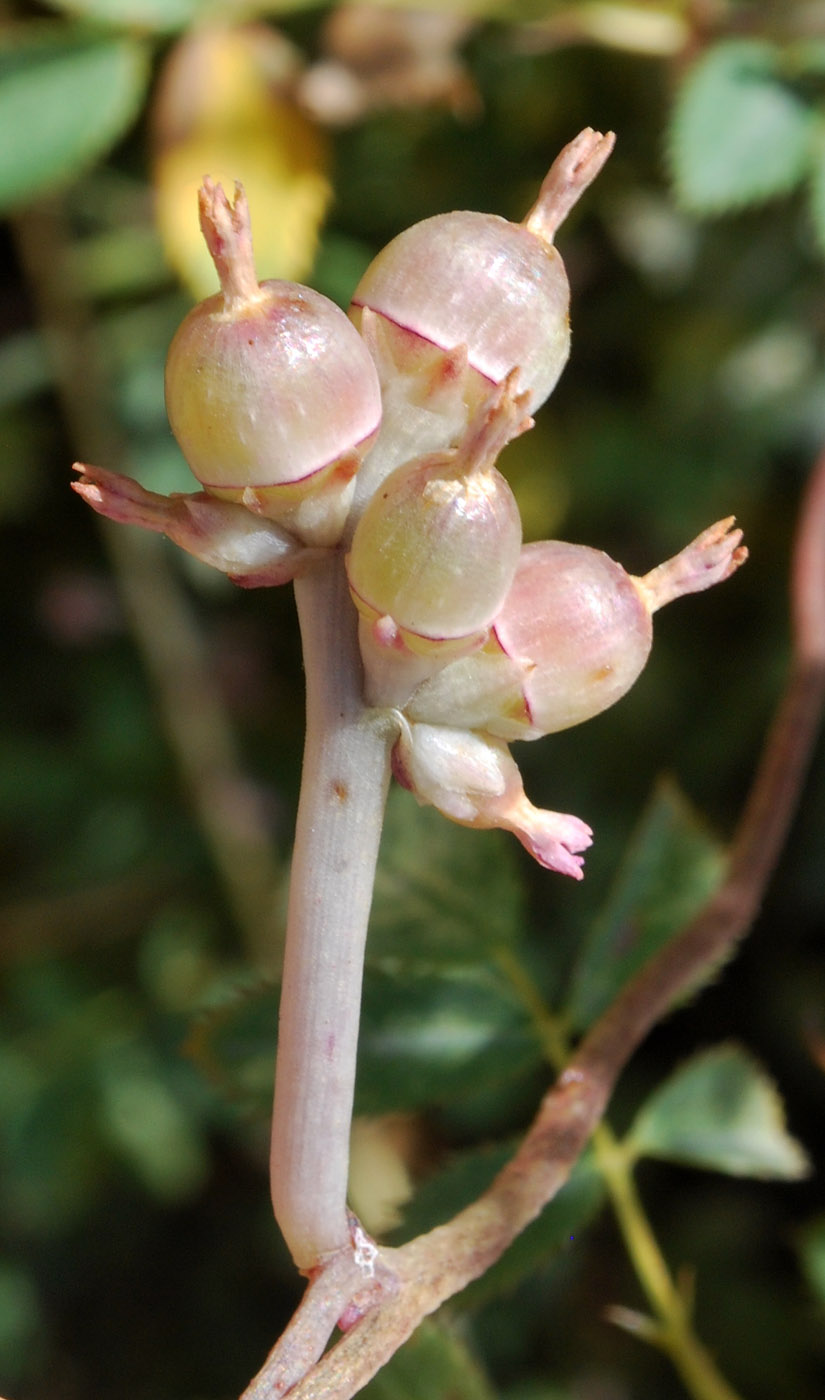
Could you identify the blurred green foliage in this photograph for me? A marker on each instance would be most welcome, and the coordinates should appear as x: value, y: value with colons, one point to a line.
x: 139, y: 950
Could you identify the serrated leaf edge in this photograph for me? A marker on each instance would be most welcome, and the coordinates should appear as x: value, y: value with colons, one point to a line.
x: 769, y: 1086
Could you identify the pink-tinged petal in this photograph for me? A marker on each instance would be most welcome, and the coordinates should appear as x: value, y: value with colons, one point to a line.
x: 473, y: 779
x: 461, y: 773
x: 552, y: 838
x: 254, y: 552
x: 709, y: 559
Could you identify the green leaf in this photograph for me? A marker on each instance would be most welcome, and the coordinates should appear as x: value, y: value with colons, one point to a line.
x: 739, y: 134
x: 161, y: 16
x: 233, y: 1044
x: 671, y: 867
x: 65, y: 99
x: 433, y: 1365
x: 447, y: 1191
x: 720, y: 1111
x: 147, y: 1125
x: 441, y: 891
x: 431, y: 1034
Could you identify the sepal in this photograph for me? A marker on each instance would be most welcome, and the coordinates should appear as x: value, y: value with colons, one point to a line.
x: 428, y: 396
x: 255, y: 553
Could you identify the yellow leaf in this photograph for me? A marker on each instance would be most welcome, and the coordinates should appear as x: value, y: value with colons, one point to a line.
x: 380, y: 1183
x: 224, y: 109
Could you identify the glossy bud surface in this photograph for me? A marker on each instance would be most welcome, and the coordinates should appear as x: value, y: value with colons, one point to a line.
x: 270, y: 392
x: 477, y: 280
x: 437, y: 546
x: 571, y: 638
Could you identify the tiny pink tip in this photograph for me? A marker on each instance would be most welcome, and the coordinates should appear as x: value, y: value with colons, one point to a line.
x: 90, y: 493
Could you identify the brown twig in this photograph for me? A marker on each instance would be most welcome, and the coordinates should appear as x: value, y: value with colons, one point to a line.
x: 437, y: 1265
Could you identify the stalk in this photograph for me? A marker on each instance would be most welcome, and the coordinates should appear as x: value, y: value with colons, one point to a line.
x: 343, y: 791
x: 672, y: 1330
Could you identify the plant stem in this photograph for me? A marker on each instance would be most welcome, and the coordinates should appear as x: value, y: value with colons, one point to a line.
x: 340, y: 812
x: 435, y: 1266
x: 675, y: 1334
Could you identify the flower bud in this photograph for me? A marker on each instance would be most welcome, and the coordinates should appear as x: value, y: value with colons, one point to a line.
x: 474, y: 781
x: 271, y: 393
x: 572, y: 636
x: 436, y: 549
x: 476, y: 280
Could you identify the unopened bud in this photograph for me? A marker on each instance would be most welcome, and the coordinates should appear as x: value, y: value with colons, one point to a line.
x: 473, y: 779
x: 271, y: 393
x: 573, y: 635
x: 435, y: 551
x: 477, y: 280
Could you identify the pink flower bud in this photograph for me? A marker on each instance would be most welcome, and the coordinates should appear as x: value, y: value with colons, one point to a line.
x: 475, y: 280
x: 472, y: 779
x: 271, y: 393
x: 436, y: 549
x: 577, y: 626
x: 571, y: 638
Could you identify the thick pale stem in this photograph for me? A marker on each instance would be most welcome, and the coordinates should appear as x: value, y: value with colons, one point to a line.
x: 343, y: 791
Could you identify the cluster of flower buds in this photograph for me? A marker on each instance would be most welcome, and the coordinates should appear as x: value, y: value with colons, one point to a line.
x: 378, y: 435
x: 572, y: 635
